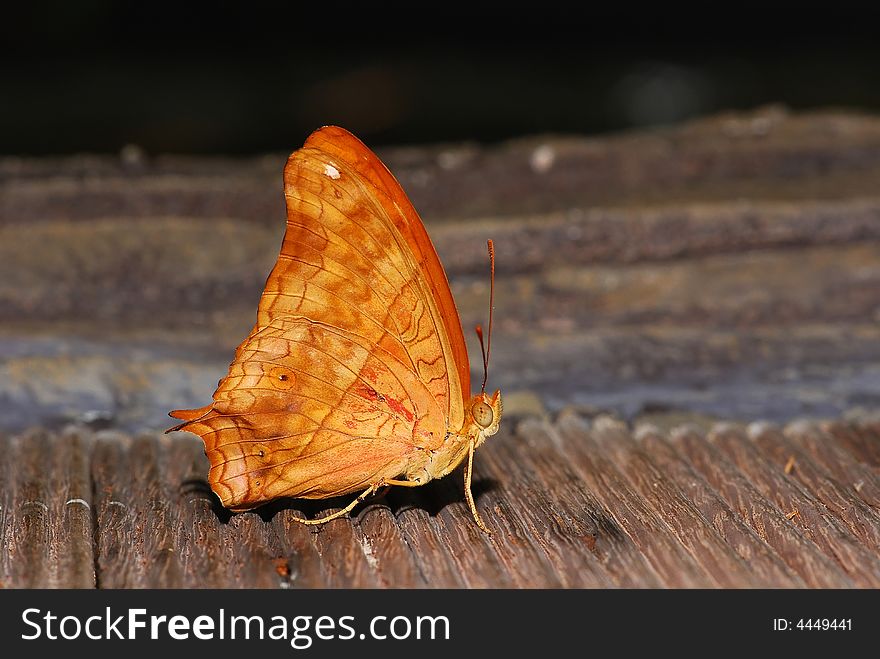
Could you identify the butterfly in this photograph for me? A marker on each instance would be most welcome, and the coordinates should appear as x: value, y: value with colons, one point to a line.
x: 356, y: 375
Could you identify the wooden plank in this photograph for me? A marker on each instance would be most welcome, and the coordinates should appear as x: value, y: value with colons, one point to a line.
x: 414, y: 511
x: 544, y: 530
x: 828, y: 154
x: 161, y: 526
x: 713, y: 292
x: 571, y: 506
x: 252, y: 555
x: 590, y: 522
x: 135, y: 539
x: 770, y: 523
x: 199, y: 551
x: 782, y: 450
x: 48, y: 530
x: 671, y: 505
x: 385, y: 547
x: 116, y: 556
x: 469, y: 552
x: 31, y: 550
x: 863, y: 441
x: 767, y: 568
x: 343, y: 561
x: 811, y: 516
x: 654, y: 539
x: 72, y: 509
x: 859, y: 477
x: 299, y: 558
x: 7, y: 510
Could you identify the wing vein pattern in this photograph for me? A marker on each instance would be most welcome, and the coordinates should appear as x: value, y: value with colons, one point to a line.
x: 354, y: 367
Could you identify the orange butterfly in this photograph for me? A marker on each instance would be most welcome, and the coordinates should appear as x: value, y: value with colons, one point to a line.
x: 356, y: 374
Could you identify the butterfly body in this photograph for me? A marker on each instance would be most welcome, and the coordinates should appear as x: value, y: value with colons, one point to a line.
x: 355, y: 374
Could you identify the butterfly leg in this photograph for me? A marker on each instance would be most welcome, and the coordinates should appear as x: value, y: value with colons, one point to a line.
x: 469, y: 468
x: 468, y: 472
x: 339, y: 513
x: 399, y: 483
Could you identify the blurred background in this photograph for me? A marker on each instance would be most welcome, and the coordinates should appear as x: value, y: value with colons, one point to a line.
x: 685, y: 205
x: 95, y: 76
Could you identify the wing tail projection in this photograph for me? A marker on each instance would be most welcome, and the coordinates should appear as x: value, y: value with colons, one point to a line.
x: 189, y: 416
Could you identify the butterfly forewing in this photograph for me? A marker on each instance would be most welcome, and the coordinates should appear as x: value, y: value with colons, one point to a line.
x: 386, y: 192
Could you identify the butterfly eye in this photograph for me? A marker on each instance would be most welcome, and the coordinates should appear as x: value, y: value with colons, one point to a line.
x: 483, y: 414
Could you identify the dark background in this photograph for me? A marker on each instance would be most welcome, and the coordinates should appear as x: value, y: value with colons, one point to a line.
x: 242, y: 78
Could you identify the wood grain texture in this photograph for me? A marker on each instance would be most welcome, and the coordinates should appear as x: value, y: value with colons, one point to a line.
x: 572, y: 503
x: 827, y: 450
x: 862, y: 520
x: 808, y: 513
x: 46, y: 522
x: 597, y: 536
x: 670, y: 504
x: 766, y: 567
x: 769, y: 522
x: 669, y: 558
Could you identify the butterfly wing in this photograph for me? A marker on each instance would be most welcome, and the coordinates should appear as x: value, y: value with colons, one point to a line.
x: 349, y: 374
x: 397, y: 208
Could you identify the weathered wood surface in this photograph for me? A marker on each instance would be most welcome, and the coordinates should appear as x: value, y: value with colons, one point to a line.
x: 572, y: 503
x: 46, y: 525
x: 727, y: 267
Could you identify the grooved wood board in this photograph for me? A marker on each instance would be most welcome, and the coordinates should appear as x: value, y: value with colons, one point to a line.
x: 572, y: 503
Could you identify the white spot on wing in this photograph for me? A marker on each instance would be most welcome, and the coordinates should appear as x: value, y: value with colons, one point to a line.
x: 331, y: 171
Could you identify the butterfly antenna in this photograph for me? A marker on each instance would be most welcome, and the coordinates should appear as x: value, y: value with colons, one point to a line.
x: 486, y: 347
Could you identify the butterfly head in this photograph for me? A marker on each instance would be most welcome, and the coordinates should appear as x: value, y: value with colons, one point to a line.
x: 486, y: 411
